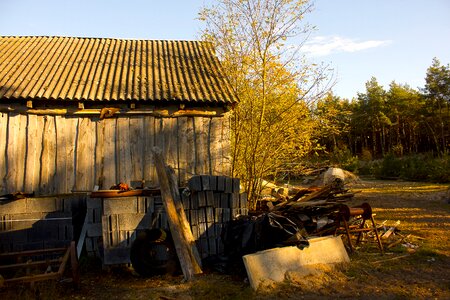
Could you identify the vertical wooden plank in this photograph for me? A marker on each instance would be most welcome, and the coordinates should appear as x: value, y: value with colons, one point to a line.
x: 215, y: 146
x: 21, y: 152
x: 201, y: 144
x: 158, y: 140
x: 90, y: 152
x: 136, y: 148
x: 124, y: 153
x: 66, y: 129
x: 71, y: 130
x: 190, y: 148
x: 149, y: 137
x: 3, y: 138
x: 197, y: 145
x: 170, y: 146
x: 84, y: 180
x: 206, y: 135
x: 226, y: 145
x: 10, y: 158
x: 182, y: 153
x: 61, y: 143
x: 109, y: 153
x: 48, y: 157
x: 19, y: 143
x: 159, y: 134
x: 99, y: 153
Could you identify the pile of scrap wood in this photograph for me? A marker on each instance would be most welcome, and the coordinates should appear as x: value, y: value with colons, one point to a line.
x: 305, y: 213
x: 333, y: 192
x: 315, y: 209
x: 272, y: 192
x: 312, y: 210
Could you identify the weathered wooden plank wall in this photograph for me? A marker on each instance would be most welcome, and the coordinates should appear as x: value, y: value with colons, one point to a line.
x: 57, y: 154
x: 3, y: 138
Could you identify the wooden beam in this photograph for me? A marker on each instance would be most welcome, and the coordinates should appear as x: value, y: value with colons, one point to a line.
x: 194, y: 112
x: 180, y: 234
x: 29, y: 104
x: 97, y: 111
x: 183, y: 219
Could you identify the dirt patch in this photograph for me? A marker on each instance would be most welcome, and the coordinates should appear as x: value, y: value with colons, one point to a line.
x: 402, y: 273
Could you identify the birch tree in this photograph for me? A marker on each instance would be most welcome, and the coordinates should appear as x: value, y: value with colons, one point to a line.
x: 259, y: 43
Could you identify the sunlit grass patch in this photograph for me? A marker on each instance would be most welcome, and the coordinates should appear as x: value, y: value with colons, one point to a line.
x: 396, y: 189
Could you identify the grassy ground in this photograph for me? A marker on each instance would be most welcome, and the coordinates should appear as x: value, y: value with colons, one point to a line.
x: 421, y: 271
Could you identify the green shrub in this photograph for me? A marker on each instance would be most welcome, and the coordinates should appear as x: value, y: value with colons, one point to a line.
x: 370, y: 167
x: 390, y: 167
x: 366, y: 155
x: 343, y: 158
x: 420, y: 167
x: 441, y: 169
x: 416, y: 168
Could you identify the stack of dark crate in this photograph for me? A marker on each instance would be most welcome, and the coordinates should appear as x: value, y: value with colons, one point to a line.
x: 38, y: 223
x: 113, y: 223
x: 210, y: 203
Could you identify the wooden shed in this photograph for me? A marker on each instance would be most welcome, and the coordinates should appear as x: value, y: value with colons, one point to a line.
x: 81, y: 112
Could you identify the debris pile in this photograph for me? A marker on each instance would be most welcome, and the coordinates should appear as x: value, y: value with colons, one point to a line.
x: 315, y: 209
x: 293, y: 215
x: 308, y: 212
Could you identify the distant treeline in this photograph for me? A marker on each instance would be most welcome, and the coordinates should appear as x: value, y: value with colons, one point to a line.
x: 398, y: 121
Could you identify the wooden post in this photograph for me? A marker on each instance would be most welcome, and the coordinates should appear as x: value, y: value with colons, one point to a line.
x: 181, y: 234
x: 183, y: 219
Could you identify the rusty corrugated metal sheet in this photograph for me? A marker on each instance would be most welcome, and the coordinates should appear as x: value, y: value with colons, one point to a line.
x: 100, y: 69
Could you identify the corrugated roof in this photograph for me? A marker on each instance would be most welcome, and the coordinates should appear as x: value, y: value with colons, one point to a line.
x: 101, y: 69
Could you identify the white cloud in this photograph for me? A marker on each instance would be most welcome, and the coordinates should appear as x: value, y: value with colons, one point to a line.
x: 325, y: 45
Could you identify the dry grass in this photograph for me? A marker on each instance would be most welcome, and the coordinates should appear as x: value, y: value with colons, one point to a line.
x: 401, y: 273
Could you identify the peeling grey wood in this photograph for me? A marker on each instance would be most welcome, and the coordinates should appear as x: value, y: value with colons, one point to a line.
x: 70, y: 150
x: 99, y: 154
x: 48, y: 157
x: 206, y: 145
x: 226, y: 145
x: 215, y: 146
x: 16, y: 152
x: 4, y: 118
x: 124, y: 153
x: 149, y: 143
x: 85, y: 155
x: 59, y: 154
x: 182, y: 141
x: 109, y: 153
x: 136, y: 148
x: 34, y: 148
x: 169, y: 134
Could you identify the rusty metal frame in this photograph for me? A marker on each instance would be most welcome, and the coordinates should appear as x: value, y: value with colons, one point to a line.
x: 69, y: 256
x: 364, y: 212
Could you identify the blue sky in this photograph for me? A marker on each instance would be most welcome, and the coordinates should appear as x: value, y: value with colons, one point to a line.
x: 388, y: 39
